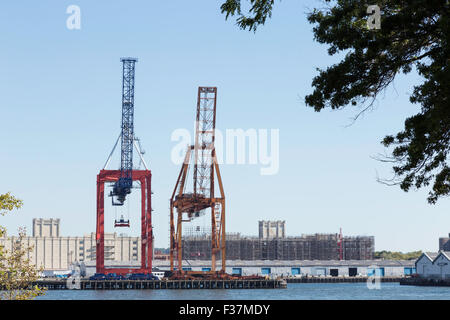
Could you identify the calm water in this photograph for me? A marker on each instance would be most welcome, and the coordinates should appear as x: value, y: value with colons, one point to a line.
x: 295, y: 291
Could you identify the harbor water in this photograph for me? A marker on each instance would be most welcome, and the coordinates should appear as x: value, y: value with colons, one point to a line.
x: 294, y: 291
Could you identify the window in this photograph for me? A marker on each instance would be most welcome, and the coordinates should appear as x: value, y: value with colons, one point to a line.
x: 409, y: 270
x: 375, y: 271
x: 321, y: 271
x: 334, y: 272
x: 206, y: 269
x: 237, y: 271
x: 266, y: 271
x: 352, y: 272
x: 187, y: 269
x: 295, y: 271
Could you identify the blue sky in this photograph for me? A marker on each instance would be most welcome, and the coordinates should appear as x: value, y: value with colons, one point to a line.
x: 60, y: 105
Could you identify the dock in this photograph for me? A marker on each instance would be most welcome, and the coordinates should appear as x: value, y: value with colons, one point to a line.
x: 339, y: 279
x: 85, y: 284
x: 425, y: 282
x: 281, y: 283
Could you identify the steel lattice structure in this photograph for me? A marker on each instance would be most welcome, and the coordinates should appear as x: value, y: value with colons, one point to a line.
x: 123, y: 186
x: 189, y: 205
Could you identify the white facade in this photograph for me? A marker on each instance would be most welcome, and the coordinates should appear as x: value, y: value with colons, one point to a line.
x: 275, y: 268
x: 58, y: 253
x: 46, y: 227
x: 434, y: 265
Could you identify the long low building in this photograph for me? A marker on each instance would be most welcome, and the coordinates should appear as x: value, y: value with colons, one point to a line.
x: 388, y: 268
x: 54, y: 252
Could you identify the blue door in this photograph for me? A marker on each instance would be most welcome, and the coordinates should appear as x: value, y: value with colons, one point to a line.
x: 375, y: 271
x: 265, y: 271
x: 237, y: 271
x: 409, y: 271
x: 295, y: 271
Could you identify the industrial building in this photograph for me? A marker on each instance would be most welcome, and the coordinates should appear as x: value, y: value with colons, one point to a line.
x: 434, y: 265
x: 444, y: 243
x: 272, y: 244
x: 293, y: 268
x: 269, y: 249
x: 55, y: 252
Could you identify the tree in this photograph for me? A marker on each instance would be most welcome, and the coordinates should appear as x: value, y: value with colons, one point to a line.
x: 412, y: 34
x: 389, y: 255
x: 16, y: 270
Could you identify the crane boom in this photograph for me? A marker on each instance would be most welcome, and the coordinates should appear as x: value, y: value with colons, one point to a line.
x: 123, y: 186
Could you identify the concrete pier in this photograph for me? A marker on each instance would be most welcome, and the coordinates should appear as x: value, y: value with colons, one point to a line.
x: 425, y: 282
x: 339, y: 279
x: 161, y: 284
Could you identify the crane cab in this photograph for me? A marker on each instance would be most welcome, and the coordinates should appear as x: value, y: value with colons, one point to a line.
x: 121, y: 222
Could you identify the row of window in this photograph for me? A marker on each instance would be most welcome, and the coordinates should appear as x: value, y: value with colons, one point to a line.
x: 319, y: 271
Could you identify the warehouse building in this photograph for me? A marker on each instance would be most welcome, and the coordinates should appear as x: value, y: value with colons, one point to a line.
x: 55, y: 252
x: 292, y: 268
x: 434, y: 265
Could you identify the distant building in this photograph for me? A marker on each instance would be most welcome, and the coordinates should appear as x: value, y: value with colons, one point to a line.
x: 271, y: 229
x: 444, y: 244
x: 45, y: 227
x: 272, y: 244
x: 54, y: 252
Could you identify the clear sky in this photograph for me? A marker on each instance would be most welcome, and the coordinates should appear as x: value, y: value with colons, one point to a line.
x: 61, y: 108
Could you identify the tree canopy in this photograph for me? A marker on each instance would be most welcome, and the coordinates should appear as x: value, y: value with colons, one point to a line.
x: 413, y: 35
x: 389, y: 255
x: 16, y: 269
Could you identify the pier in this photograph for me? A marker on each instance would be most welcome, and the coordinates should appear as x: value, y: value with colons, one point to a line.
x: 85, y: 284
x: 340, y: 279
x: 160, y: 284
x: 425, y: 282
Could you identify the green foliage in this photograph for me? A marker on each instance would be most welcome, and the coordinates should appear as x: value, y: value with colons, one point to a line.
x: 413, y: 34
x: 16, y: 269
x: 260, y: 10
x: 388, y: 255
x: 8, y: 203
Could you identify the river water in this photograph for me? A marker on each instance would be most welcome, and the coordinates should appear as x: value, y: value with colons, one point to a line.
x: 294, y: 291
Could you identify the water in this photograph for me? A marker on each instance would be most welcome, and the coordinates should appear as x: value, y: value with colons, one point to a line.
x: 295, y: 291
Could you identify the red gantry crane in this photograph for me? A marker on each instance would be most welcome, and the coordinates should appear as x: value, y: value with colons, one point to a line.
x: 188, y: 205
x: 123, y: 182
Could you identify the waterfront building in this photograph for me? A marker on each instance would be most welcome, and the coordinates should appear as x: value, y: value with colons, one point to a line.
x: 271, y: 229
x: 54, y: 252
x: 434, y: 265
x: 290, y: 268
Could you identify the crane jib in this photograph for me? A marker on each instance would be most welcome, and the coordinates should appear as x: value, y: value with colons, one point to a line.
x: 123, y: 186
